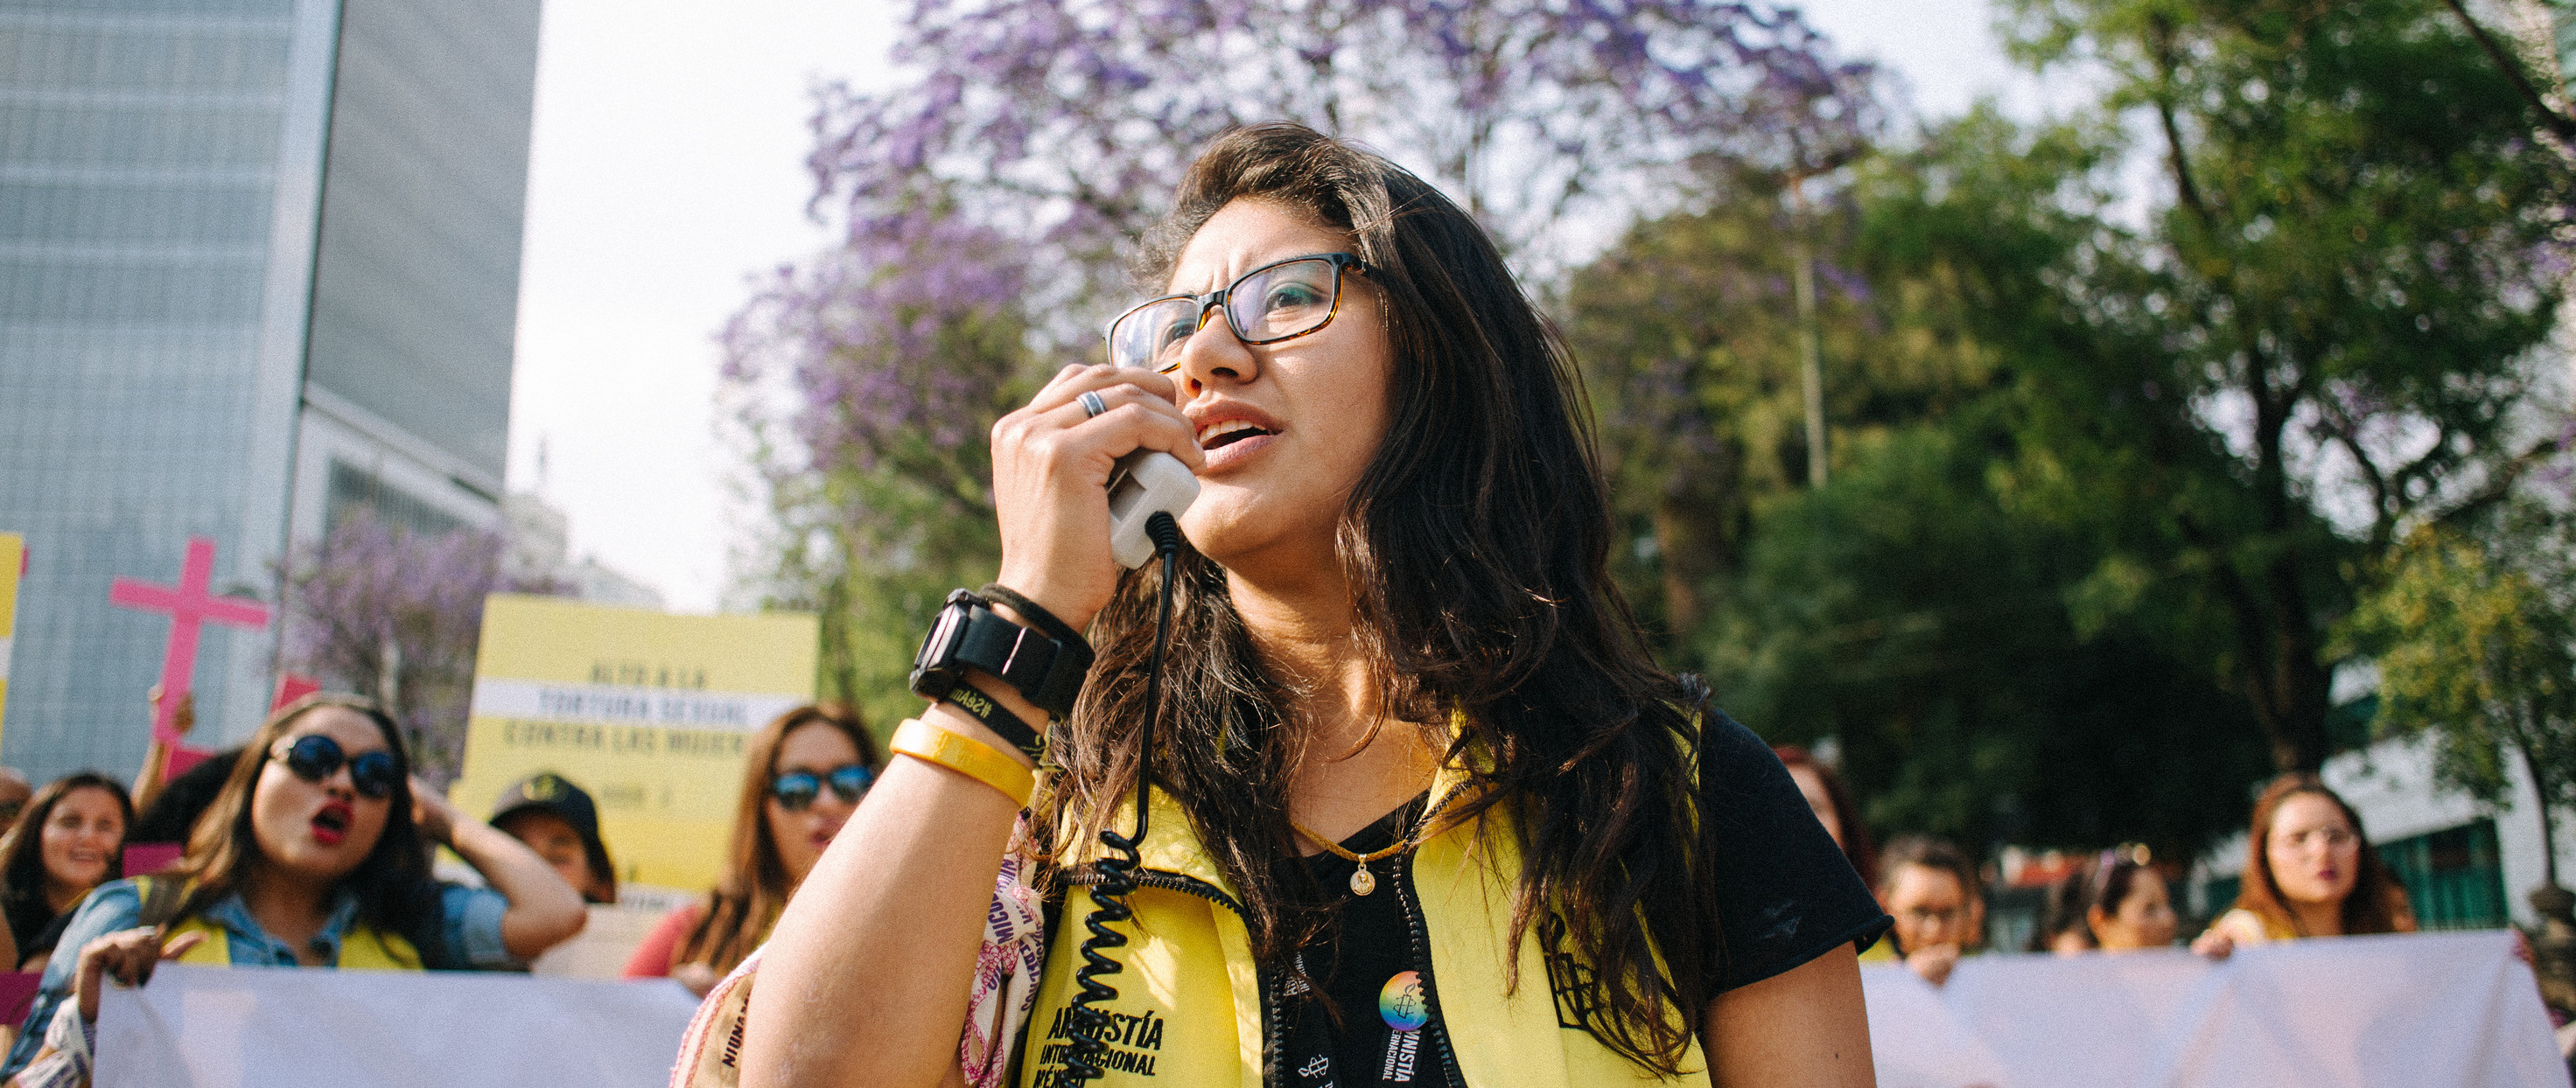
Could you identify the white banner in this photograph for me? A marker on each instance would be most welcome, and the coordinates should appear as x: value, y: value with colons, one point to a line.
x: 206, y: 1027
x: 616, y: 704
x: 2448, y: 1010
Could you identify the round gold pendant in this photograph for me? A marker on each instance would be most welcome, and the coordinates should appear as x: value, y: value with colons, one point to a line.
x: 1361, y: 882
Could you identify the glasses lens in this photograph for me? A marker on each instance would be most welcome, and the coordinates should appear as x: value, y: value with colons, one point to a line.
x: 850, y: 781
x: 1283, y: 300
x: 1151, y: 335
x: 313, y: 757
x: 374, y: 774
x: 795, y: 790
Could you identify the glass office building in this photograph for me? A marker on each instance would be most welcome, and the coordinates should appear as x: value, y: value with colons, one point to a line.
x: 258, y: 262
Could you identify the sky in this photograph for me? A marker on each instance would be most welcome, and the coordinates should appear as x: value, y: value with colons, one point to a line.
x: 667, y: 170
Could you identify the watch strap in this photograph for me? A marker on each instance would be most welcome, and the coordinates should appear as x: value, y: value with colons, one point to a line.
x: 967, y: 634
x: 1003, y: 723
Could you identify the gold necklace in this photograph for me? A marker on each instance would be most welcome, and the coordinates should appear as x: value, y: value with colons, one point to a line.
x: 1362, y: 882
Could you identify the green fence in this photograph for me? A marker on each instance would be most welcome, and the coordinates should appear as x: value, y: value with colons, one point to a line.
x: 2454, y: 877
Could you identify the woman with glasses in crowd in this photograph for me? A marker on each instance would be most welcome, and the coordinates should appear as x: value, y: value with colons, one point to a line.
x: 1931, y: 888
x: 802, y: 778
x: 70, y: 839
x: 314, y: 854
x: 1422, y: 808
x: 2308, y: 873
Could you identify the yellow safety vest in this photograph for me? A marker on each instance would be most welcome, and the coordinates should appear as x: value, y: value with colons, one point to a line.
x: 362, y: 948
x: 1191, y: 1008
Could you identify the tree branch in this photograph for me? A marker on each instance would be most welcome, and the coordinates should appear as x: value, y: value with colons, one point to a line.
x: 2499, y: 486
x: 2557, y: 123
x: 2160, y: 39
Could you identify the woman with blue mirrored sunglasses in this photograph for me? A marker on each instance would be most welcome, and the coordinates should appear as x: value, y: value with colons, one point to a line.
x: 803, y: 776
x: 314, y: 854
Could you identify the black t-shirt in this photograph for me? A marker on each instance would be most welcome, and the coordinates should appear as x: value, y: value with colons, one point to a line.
x: 1785, y: 896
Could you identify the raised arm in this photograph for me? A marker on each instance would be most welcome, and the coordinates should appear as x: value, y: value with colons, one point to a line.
x: 544, y: 911
x: 865, y: 978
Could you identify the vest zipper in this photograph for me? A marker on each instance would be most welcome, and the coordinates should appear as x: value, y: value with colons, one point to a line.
x: 1190, y: 885
x: 1420, y: 936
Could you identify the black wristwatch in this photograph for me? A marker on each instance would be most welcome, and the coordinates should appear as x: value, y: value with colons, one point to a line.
x: 968, y: 634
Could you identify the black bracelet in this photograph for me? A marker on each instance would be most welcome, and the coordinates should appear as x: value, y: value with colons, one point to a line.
x: 1029, y: 610
x: 1003, y: 723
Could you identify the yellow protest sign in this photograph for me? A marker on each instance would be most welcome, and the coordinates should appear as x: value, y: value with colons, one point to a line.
x: 13, y: 558
x: 648, y: 711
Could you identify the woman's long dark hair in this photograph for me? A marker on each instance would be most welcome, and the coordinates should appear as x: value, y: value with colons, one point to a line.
x: 23, y: 880
x: 754, y: 888
x: 395, y: 893
x: 1476, y: 548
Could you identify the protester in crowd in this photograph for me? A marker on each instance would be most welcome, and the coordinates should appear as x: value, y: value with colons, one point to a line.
x: 2129, y: 905
x: 2309, y: 872
x: 559, y: 821
x: 1832, y: 803
x: 70, y: 839
x: 158, y: 753
x: 2062, y: 928
x: 804, y: 776
x: 171, y: 814
x: 1403, y: 709
x: 1932, y: 889
x: 14, y: 792
x: 311, y: 856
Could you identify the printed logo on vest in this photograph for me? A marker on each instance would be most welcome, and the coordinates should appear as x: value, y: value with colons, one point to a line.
x: 1568, y: 980
x: 1134, y: 1042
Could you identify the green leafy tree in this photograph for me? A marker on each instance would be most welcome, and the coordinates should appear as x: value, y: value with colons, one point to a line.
x: 2476, y: 646
x: 2342, y: 295
x: 1925, y: 607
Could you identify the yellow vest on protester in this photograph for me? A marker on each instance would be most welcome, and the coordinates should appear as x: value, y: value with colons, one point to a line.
x: 362, y: 948
x: 1192, y: 1007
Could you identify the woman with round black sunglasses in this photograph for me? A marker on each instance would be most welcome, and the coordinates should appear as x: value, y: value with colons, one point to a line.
x: 802, y: 779
x: 311, y: 856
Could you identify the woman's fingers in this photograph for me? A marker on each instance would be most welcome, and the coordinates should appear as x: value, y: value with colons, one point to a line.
x: 179, y: 945
x: 1138, y: 416
x: 1072, y: 382
x: 126, y: 956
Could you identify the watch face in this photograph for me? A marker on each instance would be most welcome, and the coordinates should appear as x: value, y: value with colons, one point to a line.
x: 943, y: 635
x: 932, y: 676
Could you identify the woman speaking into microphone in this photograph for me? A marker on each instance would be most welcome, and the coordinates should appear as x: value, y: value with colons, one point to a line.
x: 1422, y: 810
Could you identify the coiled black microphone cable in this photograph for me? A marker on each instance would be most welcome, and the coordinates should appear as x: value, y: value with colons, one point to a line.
x: 1117, y: 872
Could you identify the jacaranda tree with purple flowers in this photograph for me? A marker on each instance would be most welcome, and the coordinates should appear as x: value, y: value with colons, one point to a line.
x: 990, y: 201
x: 396, y: 615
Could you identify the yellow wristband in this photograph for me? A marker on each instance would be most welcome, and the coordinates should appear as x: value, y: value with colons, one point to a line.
x: 967, y: 756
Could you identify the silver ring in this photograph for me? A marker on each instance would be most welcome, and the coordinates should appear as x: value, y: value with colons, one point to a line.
x: 1092, y: 405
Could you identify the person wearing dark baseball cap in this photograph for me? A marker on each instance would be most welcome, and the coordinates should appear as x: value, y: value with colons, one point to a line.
x: 559, y: 821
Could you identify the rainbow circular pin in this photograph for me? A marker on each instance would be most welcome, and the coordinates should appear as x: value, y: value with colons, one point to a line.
x: 1402, y: 1003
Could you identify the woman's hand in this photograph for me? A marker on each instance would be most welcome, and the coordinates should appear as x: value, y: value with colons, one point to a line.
x: 2223, y: 937
x: 128, y: 956
x: 544, y: 910
x: 1934, y: 962
x: 1051, y: 466
x: 431, y: 813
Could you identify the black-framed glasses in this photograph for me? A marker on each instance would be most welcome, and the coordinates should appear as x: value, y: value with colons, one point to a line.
x: 1282, y: 300
x: 797, y: 790
x: 314, y: 756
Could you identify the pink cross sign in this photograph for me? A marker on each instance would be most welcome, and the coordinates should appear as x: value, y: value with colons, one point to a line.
x: 189, y: 606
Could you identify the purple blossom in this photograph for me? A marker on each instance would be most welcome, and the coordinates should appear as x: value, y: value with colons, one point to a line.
x: 990, y: 200
x: 392, y: 614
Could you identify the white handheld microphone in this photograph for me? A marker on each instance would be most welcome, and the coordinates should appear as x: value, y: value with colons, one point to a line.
x: 1144, y: 483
